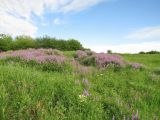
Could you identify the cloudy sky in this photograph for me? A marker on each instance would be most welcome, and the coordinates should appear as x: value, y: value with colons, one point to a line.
x: 119, y: 25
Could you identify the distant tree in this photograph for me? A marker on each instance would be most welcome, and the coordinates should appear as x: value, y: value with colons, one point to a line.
x: 46, y: 42
x: 86, y: 49
x: 153, y: 52
x: 74, y: 45
x: 142, y: 52
x: 62, y: 44
x: 5, y: 42
x: 24, y: 42
x: 109, y: 51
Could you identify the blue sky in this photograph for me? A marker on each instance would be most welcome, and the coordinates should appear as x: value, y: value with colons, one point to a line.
x: 120, y: 25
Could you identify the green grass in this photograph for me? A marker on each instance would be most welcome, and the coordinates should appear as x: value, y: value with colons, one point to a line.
x: 70, y: 54
x: 150, y: 60
x: 28, y: 93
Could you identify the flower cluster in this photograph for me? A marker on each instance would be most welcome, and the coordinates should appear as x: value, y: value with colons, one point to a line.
x: 50, y: 59
x: 38, y: 55
x: 135, y: 65
x: 86, y: 89
x: 102, y: 59
x: 80, y: 68
x: 81, y: 54
x: 99, y: 59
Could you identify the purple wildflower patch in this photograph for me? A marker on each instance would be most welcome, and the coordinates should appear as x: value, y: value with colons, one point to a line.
x: 135, y: 65
x: 102, y: 59
x: 81, y: 54
x: 39, y: 55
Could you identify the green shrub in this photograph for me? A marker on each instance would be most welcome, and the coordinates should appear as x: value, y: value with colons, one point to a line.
x: 88, y: 61
x: 24, y: 42
x: 109, y: 51
x: 46, y: 42
x: 142, y: 52
x: 74, y: 45
x: 60, y: 44
x: 5, y: 42
x: 53, y: 67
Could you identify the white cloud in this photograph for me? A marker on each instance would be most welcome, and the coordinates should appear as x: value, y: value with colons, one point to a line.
x: 145, y: 34
x: 15, y: 26
x: 77, y: 5
x: 127, y: 48
x: 148, y: 39
x: 58, y: 21
x: 16, y: 15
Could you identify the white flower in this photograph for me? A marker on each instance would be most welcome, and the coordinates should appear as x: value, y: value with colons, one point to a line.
x: 82, y: 98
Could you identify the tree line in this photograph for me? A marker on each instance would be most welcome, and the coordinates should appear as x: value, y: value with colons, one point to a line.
x: 149, y: 52
x: 23, y: 42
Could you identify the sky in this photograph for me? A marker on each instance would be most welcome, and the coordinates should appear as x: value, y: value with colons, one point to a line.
x: 124, y: 26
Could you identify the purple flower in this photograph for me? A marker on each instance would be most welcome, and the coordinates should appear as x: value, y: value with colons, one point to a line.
x: 103, y: 59
x: 81, y: 54
x: 75, y: 63
x: 85, y: 81
x: 83, y: 69
x: 39, y: 55
x: 86, y: 92
x: 135, y: 65
x: 133, y: 116
x: 50, y: 59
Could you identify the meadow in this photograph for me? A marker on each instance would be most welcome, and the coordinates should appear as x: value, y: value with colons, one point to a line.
x: 150, y: 60
x: 48, y: 84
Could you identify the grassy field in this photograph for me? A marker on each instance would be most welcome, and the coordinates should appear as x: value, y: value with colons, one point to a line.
x: 150, y: 60
x: 30, y: 93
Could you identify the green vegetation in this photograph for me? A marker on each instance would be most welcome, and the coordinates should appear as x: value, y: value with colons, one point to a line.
x: 5, y: 42
x: 149, y: 60
x: 150, y: 52
x: 59, y: 92
x: 24, y: 42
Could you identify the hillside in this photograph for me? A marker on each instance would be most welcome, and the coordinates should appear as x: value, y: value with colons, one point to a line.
x: 50, y: 84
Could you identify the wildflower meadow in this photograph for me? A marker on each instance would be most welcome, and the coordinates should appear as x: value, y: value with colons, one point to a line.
x: 49, y: 84
x: 79, y: 59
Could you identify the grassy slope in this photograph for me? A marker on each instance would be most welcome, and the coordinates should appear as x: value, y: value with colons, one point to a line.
x: 150, y: 60
x: 28, y: 93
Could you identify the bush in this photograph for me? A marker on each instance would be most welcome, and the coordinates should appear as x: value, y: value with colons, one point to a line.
x: 109, y: 51
x: 46, y: 42
x: 88, y: 61
x: 60, y: 44
x: 5, y: 42
x: 142, y: 52
x: 24, y: 42
x: 74, y: 45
